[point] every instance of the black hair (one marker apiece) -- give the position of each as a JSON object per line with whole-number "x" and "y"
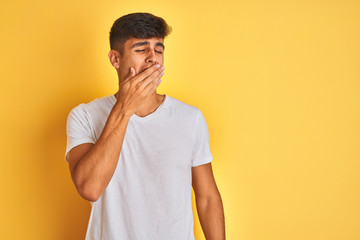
{"x": 137, "y": 25}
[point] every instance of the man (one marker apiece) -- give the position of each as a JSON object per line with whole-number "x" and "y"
{"x": 135, "y": 154}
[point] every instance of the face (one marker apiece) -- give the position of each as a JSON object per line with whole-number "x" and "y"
{"x": 140, "y": 54}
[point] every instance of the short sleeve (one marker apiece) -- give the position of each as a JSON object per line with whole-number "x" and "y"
{"x": 78, "y": 129}
{"x": 201, "y": 153}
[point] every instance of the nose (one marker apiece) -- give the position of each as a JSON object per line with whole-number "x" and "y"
{"x": 151, "y": 57}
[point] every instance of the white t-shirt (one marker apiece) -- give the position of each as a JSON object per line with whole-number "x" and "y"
{"x": 149, "y": 195}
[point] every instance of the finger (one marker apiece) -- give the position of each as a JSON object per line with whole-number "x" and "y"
{"x": 131, "y": 74}
{"x": 151, "y": 85}
{"x": 154, "y": 77}
{"x": 143, "y": 75}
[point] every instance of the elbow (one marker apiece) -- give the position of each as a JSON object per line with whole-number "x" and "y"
{"x": 90, "y": 196}
{"x": 87, "y": 192}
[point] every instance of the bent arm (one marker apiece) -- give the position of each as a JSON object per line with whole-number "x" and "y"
{"x": 93, "y": 165}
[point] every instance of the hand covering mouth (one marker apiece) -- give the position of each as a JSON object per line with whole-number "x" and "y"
{"x": 146, "y": 68}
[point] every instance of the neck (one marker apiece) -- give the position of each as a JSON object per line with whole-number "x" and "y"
{"x": 149, "y": 106}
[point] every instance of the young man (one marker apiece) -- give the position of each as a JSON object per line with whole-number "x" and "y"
{"x": 135, "y": 154}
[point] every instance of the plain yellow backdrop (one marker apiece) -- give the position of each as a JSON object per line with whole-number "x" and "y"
{"x": 278, "y": 83}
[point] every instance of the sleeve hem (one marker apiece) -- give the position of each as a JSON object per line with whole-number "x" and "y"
{"x": 77, "y": 143}
{"x": 202, "y": 161}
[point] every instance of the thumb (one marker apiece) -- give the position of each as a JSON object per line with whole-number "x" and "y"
{"x": 130, "y": 75}
{"x": 132, "y": 72}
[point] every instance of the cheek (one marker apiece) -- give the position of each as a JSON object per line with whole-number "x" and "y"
{"x": 133, "y": 62}
{"x": 136, "y": 62}
{"x": 161, "y": 60}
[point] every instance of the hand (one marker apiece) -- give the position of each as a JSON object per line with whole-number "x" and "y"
{"x": 135, "y": 90}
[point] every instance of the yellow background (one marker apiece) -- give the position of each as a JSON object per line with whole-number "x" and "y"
{"x": 277, "y": 81}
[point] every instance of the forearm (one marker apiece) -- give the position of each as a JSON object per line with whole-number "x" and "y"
{"x": 211, "y": 216}
{"x": 95, "y": 170}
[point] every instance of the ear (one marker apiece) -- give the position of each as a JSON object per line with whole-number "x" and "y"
{"x": 114, "y": 57}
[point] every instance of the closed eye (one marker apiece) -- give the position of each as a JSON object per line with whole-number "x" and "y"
{"x": 143, "y": 50}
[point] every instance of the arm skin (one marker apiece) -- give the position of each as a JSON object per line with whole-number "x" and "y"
{"x": 93, "y": 165}
{"x": 208, "y": 202}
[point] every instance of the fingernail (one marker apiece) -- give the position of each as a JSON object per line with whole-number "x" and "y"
{"x": 162, "y": 68}
{"x": 157, "y": 65}
{"x": 159, "y": 81}
{"x": 162, "y": 73}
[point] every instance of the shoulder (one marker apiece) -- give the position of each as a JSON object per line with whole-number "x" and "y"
{"x": 93, "y": 107}
{"x": 191, "y": 114}
{"x": 185, "y": 109}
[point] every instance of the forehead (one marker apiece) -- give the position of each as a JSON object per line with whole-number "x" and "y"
{"x": 152, "y": 41}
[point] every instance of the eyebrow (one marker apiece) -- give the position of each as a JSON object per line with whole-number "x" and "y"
{"x": 139, "y": 44}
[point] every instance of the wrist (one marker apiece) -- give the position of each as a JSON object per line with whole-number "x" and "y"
{"x": 121, "y": 112}
{"x": 117, "y": 121}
